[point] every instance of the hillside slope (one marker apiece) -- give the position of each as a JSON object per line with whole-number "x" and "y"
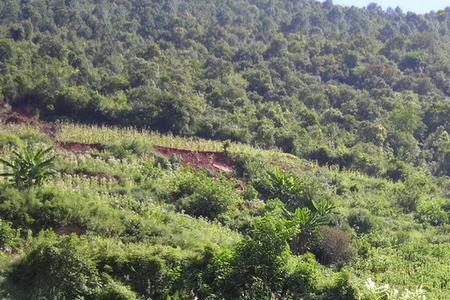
{"x": 237, "y": 149}
{"x": 150, "y": 227}
{"x": 314, "y": 79}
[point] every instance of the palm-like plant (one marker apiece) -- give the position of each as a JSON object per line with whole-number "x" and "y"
{"x": 308, "y": 222}
{"x": 29, "y": 167}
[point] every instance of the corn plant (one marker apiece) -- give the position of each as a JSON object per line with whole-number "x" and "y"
{"x": 29, "y": 167}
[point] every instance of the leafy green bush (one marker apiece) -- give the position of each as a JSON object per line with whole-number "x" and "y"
{"x": 308, "y": 222}
{"x": 146, "y": 272}
{"x": 9, "y": 237}
{"x": 334, "y": 247}
{"x": 361, "y": 220}
{"x": 304, "y": 277}
{"x": 342, "y": 288}
{"x": 278, "y": 184}
{"x": 259, "y": 259}
{"x": 431, "y": 212}
{"x": 415, "y": 187}
{"x": 257, "y": 289}
{"x": 8, "y": 139}
{"x": 200, "y": 195}
{"x": 58, "y": 268}
{"x": 126, "y": 148}
{"x": 117, "y": 291}
{"x": 18, "y": 207}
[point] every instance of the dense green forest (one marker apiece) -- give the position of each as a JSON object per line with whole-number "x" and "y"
{"x": 329, "y": 126}
{"x": 365, "y": 89}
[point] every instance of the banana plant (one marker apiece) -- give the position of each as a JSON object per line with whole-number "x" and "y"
{"x": 308, "y": 221}
{"x": 29, "y": 167}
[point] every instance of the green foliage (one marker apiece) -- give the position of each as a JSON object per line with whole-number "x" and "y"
{"x": 308, "y": 223}
{"x": 342, "y": 288}
{"x": 362, "y": 221}
{"x": 69, "y": 270}
{"x": 9, "y": 237}
{"x": 431, "y": 212}
{"x": 348, "y": 92}
{"x": 202, "y": 196}
{"x": 117, "y": 291}
{"x": 146, "y": 272}
{"x": 29, "y": 167}
{"x": 279, "y": 184}
{"x": 334, "y": 247}
{"x": 260, "y": 259}
{"x": 322, "y": 82}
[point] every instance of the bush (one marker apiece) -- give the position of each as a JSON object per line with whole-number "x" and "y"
{"x": 116, "y": 291}
{"x": 304, "y": 278}
{"x": 293, "y": 192}
{"x": 342, "y": 288}
{"x": 334, "y": 247}
{"x": 28, "y": 210}
{"x": 57, "y": 268}
{"x": 414, "y": 188}
{"x": 9, "y": 237}
{"x": 126, "y": 148}
{"x": 431, "y": 213}
{"x": 258, "y": 260}
{"x": 361, "y": 220}
{"x": 257, "y": 290}
{"x": 150, "y": 272}
{"x": 200, "y": 195}
{"x": 19, "y": 208}
{"x": 397, "y": 170}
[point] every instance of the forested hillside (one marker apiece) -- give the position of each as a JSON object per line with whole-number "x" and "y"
{"x": 355, "y": 87}
{"x": 223, "y": 149}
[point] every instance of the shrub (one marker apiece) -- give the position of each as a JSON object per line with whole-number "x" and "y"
{"x": 200, "y": 195}
{"x": 162, "y": 162}
{"x": 57, "y": 268}
{"x": 278, "y": 184}
{"x": 7, "y": 139}
{"x": 361, "y": 220}
{"x": 117, "y": 291}
{"x": 334, "y": 246}
{"x": 397, "y": 170}
{"x": 250, "y": 193}
{"x": 431, "y": 213}
{"x": 150, "y": 272}
{"x": 257, "y": 290}
{"x": 258, "y": 260}
{"x": 18, "y": 207}
{"x": 304, "y": 278}
{"x": 342, "y": 288}
{"x": 408, "y": 202}
{"x": 307, "y": 222}
{"x": 126, "y": 148}
{"x": 28, "y": 210}
{"x": 9, "y": 237}
{"x": 415, "y": 187}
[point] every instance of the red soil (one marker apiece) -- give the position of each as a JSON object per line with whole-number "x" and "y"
{"x": 80, "y": 148}
{"x": 26, "y": 116}
{"x": 216, "y": 162}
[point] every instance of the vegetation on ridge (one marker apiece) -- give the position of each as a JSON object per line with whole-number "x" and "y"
{"x": 331, "y": 120}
